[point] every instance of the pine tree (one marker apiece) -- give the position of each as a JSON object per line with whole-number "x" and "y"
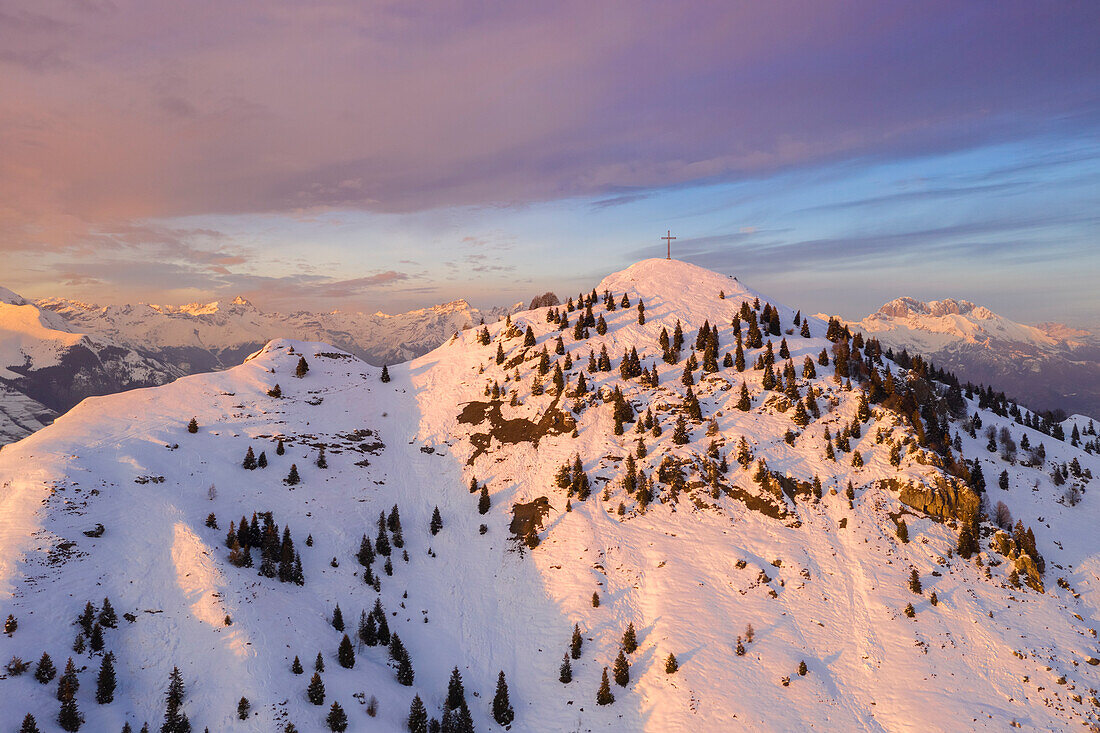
{"x": 275, "y": 391}
{"x": 914, "y": 581}
{"x": 69, "y": 718}
{"x": 903, "y": 531}
{"x": 621, "y": 670}
{"x": 45, "y": 671}
{"x": 296, "y": 666}
{"x": 95, "y": 641}
{"x": 603, "y": 695}
{"x": 321, "y": 462}
{"x": 385, "y": 373}
{"x": 910, "y": 611}
{"x": 193, "y": 426}
{"x": 671, "y": 665}
{"x": 300, "y": 371}
{"x": 244, "y": 708}
{"x": 436, "y": 523}
{"x": 679, "y": 433}
{"x": 249, "y": 462}
{"x": 30, "y": 725}
{"x": 319, "y": 663}
{"x": 456, "y": 694}
{"x": 744, "y": 403}
{"x": 280, "y": 449}
{"x": 292, "y": 478}
{"x": 337, "y": 719}
{"x": 595, "y": 599}
{"x": 69, "y": 683}
{"x": 802, "y": 669}
{"x": 105, "y": 682}
{"x": 418, "y": 716}
{"x": 502, "y": 708}
{"x": 316, "y": 689}
{"x": 346, "y": 653}
{"x": 576, "y": 642}
{"x": 175, "y": 721}
{"x": 630, "y": 641}
{"x": 483, "y": 501}
{"x": 565, "y": 672}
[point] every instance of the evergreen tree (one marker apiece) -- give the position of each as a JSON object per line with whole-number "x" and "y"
{"x": 292, "y": 478}
{"x": 30, "y": 725}
{"x": 300, "y": 371}
{"x": 175, "y": 721}
{"x": 744, "y": 403}
{"x": 502, "y": 708}
{"x": 337, "y": 618}
{"x": 319, "y": 663}
{"x": 365, "y": 556}
{"x": 483, "y": 501}
{"x": 69, "y": 718}
{"x": 321, "y": 462}
{"x": 280, "y": 449}
{"x": 105, "y": 682}
{"x": 337, "y": 719}
{"x": 44, "y": 672}
{"x": 565, "y": 672}
{"x": 603, "y": 695}
{"x": 385, "y": 373}
{"x": 903, "y": 531}
{"x": 296, "y": 666}
{"x": 630, "y": 641}
{"x": 595, "y": 599}
{"x": 316, "y": 689}
{"x": 456, "y": 694}
{"x": 621, "y": 670}
{"x": 914, "y": 581}
{"x": 436, "y": 523}
{"x": 249, "y": 462}
{"x": 346, "y": 653}
{"x": 967, "y": 544}
{"x": 382, "y": 542}
{"x": 802, "y": 669}
{"x": 244, "y": 709}
{"x": 418, "y": 716}
{"x": 275, "y": 391}
{"x": 679, "y": 433}
{"x": 576, "y": 642}
{"x": 671, "y": 665}
{"x": 68, "y": 684}
{"x": 193, "y": 426}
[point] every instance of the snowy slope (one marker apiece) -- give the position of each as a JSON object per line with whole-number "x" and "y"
{"x": 821, "y": 580}
{"x": 205, "y": 336}
{"x": 1049, "y": 366}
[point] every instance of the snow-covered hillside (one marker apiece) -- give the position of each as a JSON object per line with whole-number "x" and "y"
{"x": 1048, "y": 366}
{"x": 692, "y": 548}
{"x": 207, "y": 336}
{"x": 46, "y": 366}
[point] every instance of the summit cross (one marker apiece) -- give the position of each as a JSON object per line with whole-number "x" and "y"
{"x": 668, "y": 240}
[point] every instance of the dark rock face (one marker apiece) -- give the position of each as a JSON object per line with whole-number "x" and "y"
{"x": 83, "y": 372}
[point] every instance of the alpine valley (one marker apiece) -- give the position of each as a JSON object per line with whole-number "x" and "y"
{"x": 669, "y": 504}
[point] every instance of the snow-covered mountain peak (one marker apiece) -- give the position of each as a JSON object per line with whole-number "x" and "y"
{"x": 789, "y": 524}
{"x": 7, "y": 296}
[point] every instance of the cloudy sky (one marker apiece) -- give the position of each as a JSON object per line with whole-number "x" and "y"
{"x": 374, "y": 155}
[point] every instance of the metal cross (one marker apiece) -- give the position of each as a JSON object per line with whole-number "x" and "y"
{"x": 668, "y": 239}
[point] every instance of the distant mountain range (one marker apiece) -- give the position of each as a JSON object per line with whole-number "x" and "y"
{"x": 55, "y": 352}
{"x": 1045, "y": 366}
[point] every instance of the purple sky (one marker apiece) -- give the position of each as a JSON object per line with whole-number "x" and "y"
{"x": 214, "y": 145}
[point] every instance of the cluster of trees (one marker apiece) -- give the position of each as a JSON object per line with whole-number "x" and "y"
{"x": 278, "y": 558}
